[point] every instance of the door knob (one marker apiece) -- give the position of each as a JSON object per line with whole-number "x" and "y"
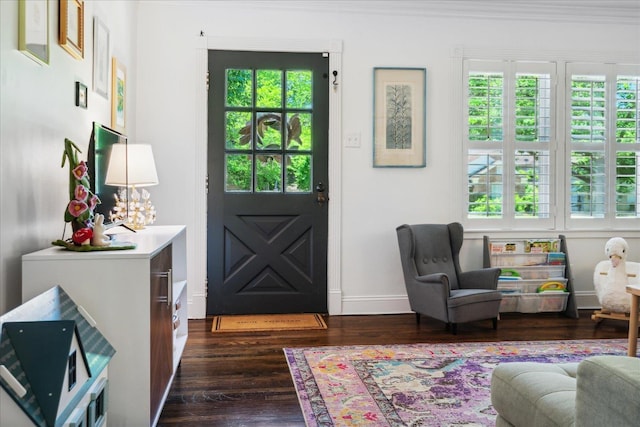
{"x": 321, "y": 197}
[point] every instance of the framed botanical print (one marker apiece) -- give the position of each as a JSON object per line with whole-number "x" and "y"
{"x": 118, "y": 95}
{"x": 399, "y": 116}
{"x": 71, "y": 27}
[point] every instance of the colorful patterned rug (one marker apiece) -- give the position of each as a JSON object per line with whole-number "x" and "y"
{"x": 416, "y": 384}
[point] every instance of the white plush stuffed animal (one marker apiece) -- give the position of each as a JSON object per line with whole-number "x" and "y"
{"x": 611, "y": 277}
{"x": 99, "y": 238}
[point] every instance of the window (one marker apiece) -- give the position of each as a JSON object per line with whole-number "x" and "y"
{"x": 530, "y": 140}
{"x": 604, "y": 141}
{"x": 72, "y": 367}
{"x": 509, "y": 139}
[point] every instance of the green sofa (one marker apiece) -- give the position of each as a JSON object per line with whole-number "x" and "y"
{"x": 599, "y": 391}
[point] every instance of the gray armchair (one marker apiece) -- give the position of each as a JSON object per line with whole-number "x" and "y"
{"x": 435, "y": 285}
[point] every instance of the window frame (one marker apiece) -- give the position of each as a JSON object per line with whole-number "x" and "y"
{"x": 610, "y": 147}
{"x": 508, "y": 146}
{"x": 624, "y": 60}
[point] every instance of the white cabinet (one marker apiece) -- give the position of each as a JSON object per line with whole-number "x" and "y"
{"x": 535, "y": 274}
{"x": 138, "y": 298}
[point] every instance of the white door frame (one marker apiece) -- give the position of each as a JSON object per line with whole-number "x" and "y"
{"x": 198, "y": 235}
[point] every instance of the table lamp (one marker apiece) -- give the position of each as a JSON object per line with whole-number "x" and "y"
{"x": 132, "y": 166}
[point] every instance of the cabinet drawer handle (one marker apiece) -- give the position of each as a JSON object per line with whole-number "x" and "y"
{"x": 169, "y": 276}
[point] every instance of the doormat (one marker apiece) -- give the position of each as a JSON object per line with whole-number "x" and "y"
{"x": 417, "y": 384}
{"x": 267, "y": 322}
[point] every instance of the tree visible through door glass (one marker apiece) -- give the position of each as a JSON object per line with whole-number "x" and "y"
{"x": 268, "y": 133}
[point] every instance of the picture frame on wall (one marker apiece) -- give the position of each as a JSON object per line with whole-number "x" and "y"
{"x": 399, "y": 117}
{"x": 71, "y": 27}
{"x": 100, "y": 58}
{"x": 81, "y": 95}
{"x": 33, "y": 29}
{"x": 118, "y": 95}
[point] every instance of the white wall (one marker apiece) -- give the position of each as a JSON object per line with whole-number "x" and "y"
{"x": 37, "y": 106}
{"x": 374, "y": 201}
{"x": 38, "y": 112}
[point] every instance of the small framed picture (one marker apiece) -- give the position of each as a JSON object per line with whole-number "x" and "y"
{"x": 118, "y": 95}
{"x": 33, "y": 33}
{"x": 81, "y": 95}
{"x": 100, "y": 58}
{"x": 71, "y": 26}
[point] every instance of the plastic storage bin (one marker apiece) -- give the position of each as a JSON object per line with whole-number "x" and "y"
{"x": 534, "y": 303}
{"x": 529, "y": 286}
{"x": 537, "y": 272}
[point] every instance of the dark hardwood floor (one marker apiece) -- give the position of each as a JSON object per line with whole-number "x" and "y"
{"x": 242, "y": 379}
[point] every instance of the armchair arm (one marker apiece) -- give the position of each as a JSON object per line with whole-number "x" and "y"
{"x": 429, "y": 294}
{"x": 485, "y": 278}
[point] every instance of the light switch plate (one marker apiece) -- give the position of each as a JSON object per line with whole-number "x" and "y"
{"x": 352, "y": 140}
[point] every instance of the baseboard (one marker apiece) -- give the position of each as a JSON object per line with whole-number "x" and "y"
{"x": 378, "y": 304}
{"x": 397, "y": 304}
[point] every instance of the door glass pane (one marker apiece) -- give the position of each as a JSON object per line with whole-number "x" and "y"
{"x": 237, "y": 172}
{"x": 299, "y": 89}
{"x": 269, "y": 131}
{"x": 299, "y": 131}
{"x": 298, "y": 173}
{"x": 268, "y": 173}
{"x": 238, "y": 130}
{"x": 239, "y": 88}
{"x": 269, "y": 88}
{"x": 273, "y": 126}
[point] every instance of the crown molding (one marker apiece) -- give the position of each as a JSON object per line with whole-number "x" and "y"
{"x": 621, "y": 12}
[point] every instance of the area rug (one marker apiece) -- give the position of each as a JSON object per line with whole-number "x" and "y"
{"x": 267, "y": 322}
{"x": 418, "y": 384}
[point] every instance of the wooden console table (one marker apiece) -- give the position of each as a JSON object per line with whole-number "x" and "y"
{"x": 634, "y": 290}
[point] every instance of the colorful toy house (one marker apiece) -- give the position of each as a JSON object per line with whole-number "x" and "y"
{"x": 53, "y": 365}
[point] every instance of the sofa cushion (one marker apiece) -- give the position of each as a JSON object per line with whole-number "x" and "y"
{"x": 608, "y": 390}
{"x": 535, "y": 394}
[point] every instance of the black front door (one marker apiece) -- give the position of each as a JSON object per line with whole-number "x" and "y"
{"x": 268, "y": 174}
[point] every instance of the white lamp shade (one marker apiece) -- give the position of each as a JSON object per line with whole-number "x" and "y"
{"x": 131, "y": 165}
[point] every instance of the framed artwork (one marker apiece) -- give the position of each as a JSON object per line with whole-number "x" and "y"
{"x": 81, "y": 95}
{"x": 118, "y": 95}
{"x": 71, "y": 27}
{"x": 100, "y": 58}
{"x": 399, "y": 116}
{"x": 33, "y": 33}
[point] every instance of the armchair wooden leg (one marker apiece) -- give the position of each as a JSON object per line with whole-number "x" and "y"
{"x": 495, "y": 323}
{"x": 418, "y": 318}
{"x": 454, "y": 328}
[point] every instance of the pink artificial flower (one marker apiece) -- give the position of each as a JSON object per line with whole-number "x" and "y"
{"x": 81, "y": 193}
{"x": 77, "y": 208}
{"x": 80, "y": 171}
{"x": 93, "y": 201}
